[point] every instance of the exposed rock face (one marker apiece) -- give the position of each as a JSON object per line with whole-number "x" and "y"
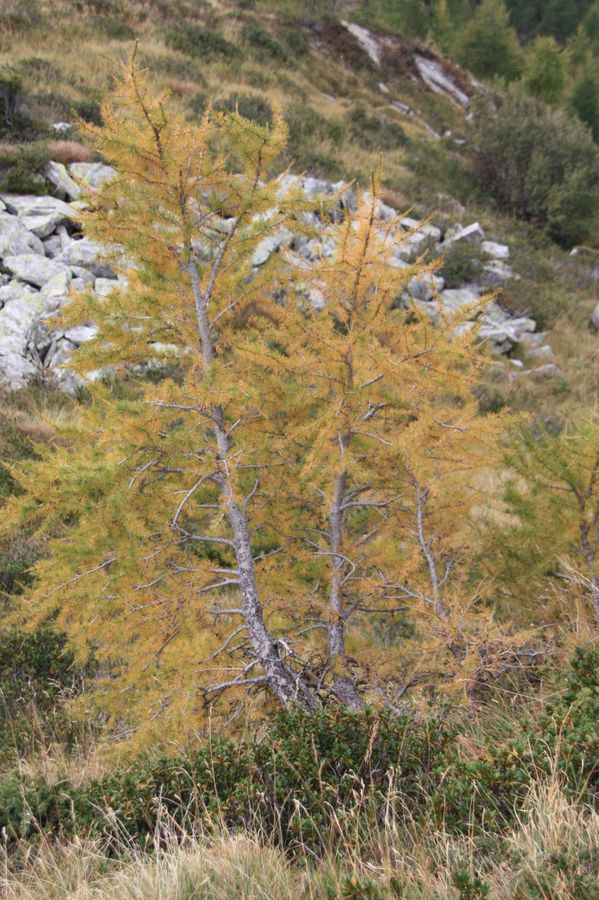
{"x": 43, "y": 256}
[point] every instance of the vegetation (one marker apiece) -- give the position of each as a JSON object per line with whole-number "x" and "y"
{"x": 290, "y": 613}
{"x": 540, "y": 165}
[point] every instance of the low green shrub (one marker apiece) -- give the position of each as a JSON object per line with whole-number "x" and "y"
{"x": 198, "y": 41}
{"x": 462, "y": 263}
{"x": 376, "y": 132}
{"x": 540, "y": 165}
{"x": 21, "y": 167}
{"x": 261, "y": 42}
{"x": 37, "y": 673}
{"x": 312, "y": 769}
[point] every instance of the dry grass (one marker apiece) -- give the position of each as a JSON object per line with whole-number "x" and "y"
{"x": 395, "y": 861}
{"x": 71, "y": 152}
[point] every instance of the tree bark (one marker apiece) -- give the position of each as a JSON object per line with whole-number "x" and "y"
{"x": 344, "y": 688}
{"x": 285, "y": 684}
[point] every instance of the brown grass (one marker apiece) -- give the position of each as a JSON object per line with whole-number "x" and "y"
{"x": 71, "y": 152}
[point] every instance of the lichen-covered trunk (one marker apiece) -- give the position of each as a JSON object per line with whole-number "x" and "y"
{"x": 285, "y": 684}
{"x": 344, "y": 688}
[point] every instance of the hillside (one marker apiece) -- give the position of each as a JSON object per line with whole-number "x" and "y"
{"x": 299, "y": 449}
{"x": 349, "y": 100}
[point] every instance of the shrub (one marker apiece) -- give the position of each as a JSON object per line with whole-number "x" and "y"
{"x": 376, "y": 132}
{"x": 584, "y": 100}
{"x": 250, "y": 106}
{"x": 462, "y": 263}
{"x": 488, "y": 45}
{"x": 260, "y": 41}
{"x": 21, "y": 167}
{"x": 539, "y": 164}
{"x": 195, "y": 40}
{"x": 36, "y": 674}
{"x": 310, "y": 767}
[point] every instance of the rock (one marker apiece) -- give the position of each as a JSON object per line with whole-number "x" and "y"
{"x": 35, "y": 269}
{"x": 105, "y": 286}
{"x": 91, "y": 174}
{"x": 271, "y": 244}
{"x": 61, "y": 181}
{"x": 544, "y": 352}
{"x": 424, "y": 287}
{"x": 431, "y": 231}
{"x": 79, "y": 334}
{"x": 497, "y": 251}
{"x": 52, "y": 245}
{"x": 472, "y": 234}
{"x": 15, "y": 369}
{"x": 457, "y": 299}
{"x": 496, "y": 273}
{"x": 85, "y": 254}
{"x": 551, "y": 370}
{"x": 16, "y": 239}
{"x": 438, "y": 80}
{"x": 41, "y": 215}
{"x": 595, "y": 317}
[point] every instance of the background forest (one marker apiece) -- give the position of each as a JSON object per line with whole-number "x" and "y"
{"x": 308, "y": 604}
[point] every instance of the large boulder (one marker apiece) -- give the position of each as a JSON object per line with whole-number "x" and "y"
{"x": 84, "y": 254}
{"x": 92, "y": 175}
{"x": 472, "y": 234}
{"x": 62, "y": 183}
{"x": 35, "y": 269}
{"x": 41, "y": 215}
{"x": 16, "y": 239}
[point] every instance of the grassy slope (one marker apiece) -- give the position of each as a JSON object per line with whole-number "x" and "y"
{"x": 341, "y": 125}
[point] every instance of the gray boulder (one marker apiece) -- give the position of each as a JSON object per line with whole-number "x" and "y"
{"x": 595, "y": 317}
{"x": 455, "y": 300}
{"x": 61, "y": 181}
{"x": 85, "y": 254}
{"x": 424, "y": 287}
{"x": 35, "y": 269}
{"x": 16, "y": 239}
{"x": 92, "y": 175}
{"x": 472, "y": 234}
{"x": 497, "y": 251}
{"x": 41, "y": 215}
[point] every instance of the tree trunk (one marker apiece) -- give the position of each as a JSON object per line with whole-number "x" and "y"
{"x": 286, "y": 685}
{"x": 344, "y": 688}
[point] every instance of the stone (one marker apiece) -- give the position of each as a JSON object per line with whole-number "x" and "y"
{"x": 52, "y": 245}
{"x": 16, "y": 239}
{"x": 472, "y": 234}
{"x": 496, "y": 273}
{"x": 85, "y": 254}
{"x": 551, "y": 370}
{"x": 104, "y": 286}
{"x": 497, "y": 251}
{"x": 431, "y": 231}
{"x": 456, "y": 299}
{"x": 41, "y": 215}
{"x": 79, "y": 334}
{"x": 424, "y": 287}
{"x": 93, "y": 175}
{"x": 595, "y": 317}
{"x": 34, "y": 269}
{"x": 271, "y": 244}
{"x": 544, "y": 352}
{"x": 64, "y": 186}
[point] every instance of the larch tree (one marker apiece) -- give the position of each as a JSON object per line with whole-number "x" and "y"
{"x": 159, "y": 496}
{"x": 548, "y": 563}
{"x": 383, "y": 398}
{"x": 221, "y": 520}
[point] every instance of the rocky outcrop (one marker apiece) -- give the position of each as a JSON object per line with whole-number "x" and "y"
{"x": 44, "y": 255}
